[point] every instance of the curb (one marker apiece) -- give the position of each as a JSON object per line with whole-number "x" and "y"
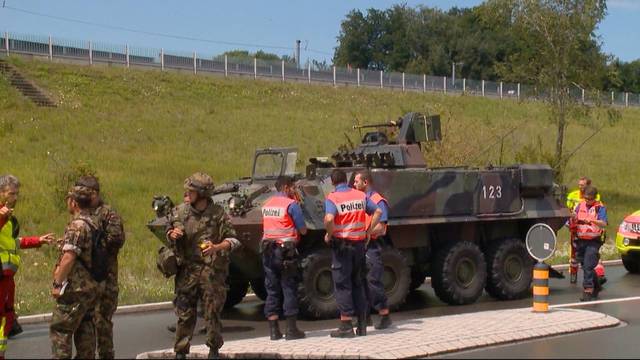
{"x": 167, "y": 305}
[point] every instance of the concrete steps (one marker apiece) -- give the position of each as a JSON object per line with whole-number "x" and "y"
{"x": 25, "y": 86}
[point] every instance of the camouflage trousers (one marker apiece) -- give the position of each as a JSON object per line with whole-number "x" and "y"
{"x": 72, "y": 321}
{"x": 192, "y": 284}
{"x": 106, "y": 306}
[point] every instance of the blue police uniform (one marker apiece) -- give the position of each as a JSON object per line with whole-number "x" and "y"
{"x": 349, "y": 265}
{"x": 375, "y": 287}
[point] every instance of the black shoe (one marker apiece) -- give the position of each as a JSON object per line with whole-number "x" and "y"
{"x": 274, "y": 330}
{"x": 602, "y": 280}
{"x": 555, "y": 274}
{"x": 574, "y": 278}
{"x": 588, "y": 296}
{"x": 171, "y": 328}
{"x": 15, "y": 329}
{"x": 361, "y": 329}
{"x": 293, "y": 333}
{"x": 385, "y": 322}
{"x": 345, "y": 330}
{"x": 181, "y": 356}
{"x": 213, "y": 354}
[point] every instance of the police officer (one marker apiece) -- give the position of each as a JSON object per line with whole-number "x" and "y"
{"x": 283, "y": 223}
{"x": 573, "y": 199}
{"x": 345, "y": 222}
{"x": 74, "y": 288}
{"x": 110, "y": 223}
{"x": 375, "y": 287}
{"x": 202, "y": 238}
{"x": 589, "y": 220}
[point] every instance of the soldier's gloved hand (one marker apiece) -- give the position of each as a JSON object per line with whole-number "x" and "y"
{"x": 175, "y": 234}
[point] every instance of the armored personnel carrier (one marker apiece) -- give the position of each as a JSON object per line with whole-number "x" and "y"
{"x": 463, "y": 226}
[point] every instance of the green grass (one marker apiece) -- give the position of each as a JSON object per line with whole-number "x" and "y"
{"x": 145, "y": 131}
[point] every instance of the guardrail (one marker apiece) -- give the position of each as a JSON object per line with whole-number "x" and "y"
{"x": 97, "y": 52}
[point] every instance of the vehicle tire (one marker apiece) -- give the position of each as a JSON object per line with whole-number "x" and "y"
{"x": 257, "y": 285}
{"x": 237, "y": 291}
{"x": 417, "y": 278}
{"x": 396, "y": 278}
{"x": 315, "y": 294}
{"x": 459, "y": 273}
{"x": 631, "y": 263}
{"x": 509, "y": 270}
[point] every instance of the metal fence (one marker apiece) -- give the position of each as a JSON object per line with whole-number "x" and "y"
{"x": 96, "y": 52}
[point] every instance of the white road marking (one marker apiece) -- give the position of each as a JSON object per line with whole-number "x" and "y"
{"x": 596, "y": 302}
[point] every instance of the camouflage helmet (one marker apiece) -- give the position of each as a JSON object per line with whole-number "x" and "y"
{"x": 81, "y": 194}
{"x": 201, "y": 183}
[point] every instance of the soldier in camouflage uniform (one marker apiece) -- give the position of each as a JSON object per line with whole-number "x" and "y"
{"x": 73, "y": 285}
{"x": 110, "y": 223}
{"x": 202, "y": 237}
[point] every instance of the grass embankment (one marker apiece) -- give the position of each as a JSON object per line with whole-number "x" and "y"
{"x": 145, "y": 131}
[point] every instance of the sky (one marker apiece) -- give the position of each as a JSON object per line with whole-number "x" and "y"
{"x": 213, "y": 27}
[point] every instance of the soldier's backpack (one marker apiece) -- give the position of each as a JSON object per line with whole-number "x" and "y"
{"x": 99, "y": 268}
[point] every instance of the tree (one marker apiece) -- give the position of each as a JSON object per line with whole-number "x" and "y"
{"x": 558, "y": 51}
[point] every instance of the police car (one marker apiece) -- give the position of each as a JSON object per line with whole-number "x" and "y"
{"x": 628, "y": 242}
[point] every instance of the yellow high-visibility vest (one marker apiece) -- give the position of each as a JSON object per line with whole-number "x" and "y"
{"x": 9, "y": 248}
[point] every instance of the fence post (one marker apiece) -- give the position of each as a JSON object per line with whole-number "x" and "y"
{"x": 309, "y": 72}
{"x": 518, "y": 91}
{"x": 444, "y": 82}
{"x": 6, "y": 42}
{"x": 500, "y": 89}
{"x": 358, "y": 73}
{"x": 226, "y": 66}
{"x": 424, "y": 82}
{"x": 626, "y": 99}
{"x": 464, "y": 85}
{"x": 127, "y": 53}
{"x": 162, "y": 59}
{"x": 582, "y": 96}
{"x": 402, "y": 81}
{"x": 90, "y": 53}
{"x": 194, "y": 63}
{"x": 255, "y": 68}
{"x": 482, "y": 88}
{"x": 612, "y": 97}
{"x": 282, "y": 70}
{"x": 334, "y": 75}
{"x": 50, "y": 48}
{"x": 381, "y": 80}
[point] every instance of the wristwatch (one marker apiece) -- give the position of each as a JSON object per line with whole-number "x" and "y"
{"x": 57, "y": 285}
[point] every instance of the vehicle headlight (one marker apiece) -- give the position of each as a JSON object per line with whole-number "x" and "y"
{"x": 626, "y": 241}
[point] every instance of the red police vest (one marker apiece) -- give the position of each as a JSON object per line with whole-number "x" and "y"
{"x": 277, "y": 223}
{"x": 376, "y": 198}
{"x": 588, "y": 231}
{"x": 350, "y": 220}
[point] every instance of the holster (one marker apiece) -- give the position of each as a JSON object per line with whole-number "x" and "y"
{"x": 338, "y": 244}
{"x": 266, "y": 247}
{"x": 289, "y": 258}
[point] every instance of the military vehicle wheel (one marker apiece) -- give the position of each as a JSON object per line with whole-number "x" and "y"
{"x": 459, "y": 273}
{"x": 237, "y": 291}
{"x": 396, "y": 277}
{"x": 315, "y": 294}
{"x": 509, "y": 269}
{"x": 257, "y": 285}
{"x": 417, "y": 278}
{"x": 631, "y": 263}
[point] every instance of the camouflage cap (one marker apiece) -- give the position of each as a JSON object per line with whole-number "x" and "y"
{"x": 89, "y": 181}
{"x": 200, "y": 182}
{"x": 80, "y": 193}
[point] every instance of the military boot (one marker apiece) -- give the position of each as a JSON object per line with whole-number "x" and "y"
{"x": 15, "y": 329}
{"x": 361, "y": 329}
{"x": 385, "y": 322}
{"x": 345, "y": 330}
{"x": 293, "y": 333}
{"x": 181, "y": 356}
{"x": 213, "y": 353}
{"x": 274, "y": 330}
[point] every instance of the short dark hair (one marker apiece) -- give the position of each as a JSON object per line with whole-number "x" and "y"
{"x": 89, "y": 181}
{"x": 338, "y": 177}
{"x": 586, "y": 179}
{"x": 590, "y": 191}
{"x": 283, "y": 181}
